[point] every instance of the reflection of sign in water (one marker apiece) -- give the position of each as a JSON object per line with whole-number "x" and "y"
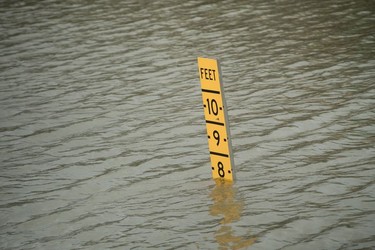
{"x": 226, "y": 205}
{"x": 216, "y": 119}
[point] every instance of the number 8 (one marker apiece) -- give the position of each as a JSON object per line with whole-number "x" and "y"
{"x": 220, "y": 170}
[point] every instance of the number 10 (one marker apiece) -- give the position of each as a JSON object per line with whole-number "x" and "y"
{"x": 212, "y": 106}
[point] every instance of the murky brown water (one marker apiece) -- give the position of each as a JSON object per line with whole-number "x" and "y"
{"x": 102, "y": 134}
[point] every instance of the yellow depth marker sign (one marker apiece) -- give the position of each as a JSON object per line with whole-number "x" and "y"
{"x": 215, "y": 113}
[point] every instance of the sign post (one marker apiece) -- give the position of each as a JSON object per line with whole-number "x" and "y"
{"x": 217, "y": 125}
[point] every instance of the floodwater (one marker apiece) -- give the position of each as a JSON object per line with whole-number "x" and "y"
{"x": 102, "y": 132}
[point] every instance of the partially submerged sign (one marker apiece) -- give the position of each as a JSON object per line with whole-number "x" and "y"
{"x": 217, "y": 124}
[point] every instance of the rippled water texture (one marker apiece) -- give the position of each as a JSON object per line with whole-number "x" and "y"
{"x": 102, "y": 133}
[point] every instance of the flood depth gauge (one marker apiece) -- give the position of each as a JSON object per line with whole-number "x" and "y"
{"x": 215, "y": 113}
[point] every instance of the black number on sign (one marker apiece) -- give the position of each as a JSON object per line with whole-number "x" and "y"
{"x": 217, "y": 137}
{"x": 212, "y": 106}
{"x": 220, "y": 169}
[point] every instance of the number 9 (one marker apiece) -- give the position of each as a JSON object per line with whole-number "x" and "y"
{"x": 217, "y": 137}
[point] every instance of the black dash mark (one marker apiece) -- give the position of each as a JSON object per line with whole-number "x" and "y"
{"x": 211, "y": 91}
{"x": 219, "y": 154}
{"x": 216, "y": 123}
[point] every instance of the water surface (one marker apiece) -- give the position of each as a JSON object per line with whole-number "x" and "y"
{"x": 102, "y": 134}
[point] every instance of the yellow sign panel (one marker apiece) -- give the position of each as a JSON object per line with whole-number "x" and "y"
{"x": 215, "y": 114}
